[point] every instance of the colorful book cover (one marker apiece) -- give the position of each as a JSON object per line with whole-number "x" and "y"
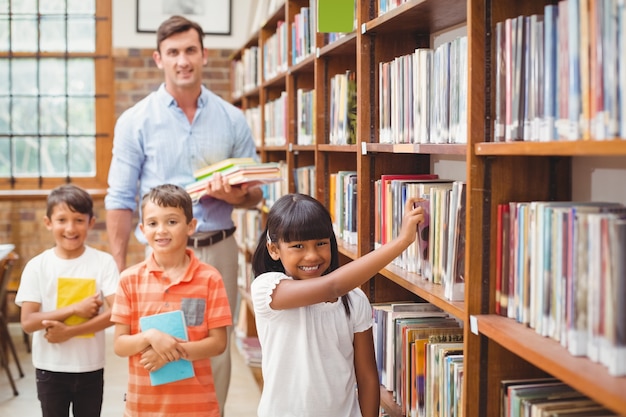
{"x": 172, "y": 323}
{"x": 71, "y": 291}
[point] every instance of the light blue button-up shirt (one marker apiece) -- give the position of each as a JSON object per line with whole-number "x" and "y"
{"x": 155, "y": 144}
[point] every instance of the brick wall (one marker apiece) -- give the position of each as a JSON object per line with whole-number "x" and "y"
{"x": 136, "y": 75}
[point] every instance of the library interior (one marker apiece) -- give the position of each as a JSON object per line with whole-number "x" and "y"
{"x": 504, "y": 121}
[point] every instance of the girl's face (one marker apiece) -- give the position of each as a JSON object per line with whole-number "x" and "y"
{"x": 302, "y": 259}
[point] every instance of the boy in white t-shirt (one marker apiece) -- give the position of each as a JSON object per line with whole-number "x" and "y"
{"x": 66, "y": 294}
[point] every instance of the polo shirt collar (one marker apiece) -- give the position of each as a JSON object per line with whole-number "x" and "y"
{"x": 153, "y": 267}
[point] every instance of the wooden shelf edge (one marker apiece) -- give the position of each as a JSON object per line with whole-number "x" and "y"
{"x": 433, "y": 293}
{"x": 616, "y": 147}
{"x": 419, "y": 148}
{"x": 389, "y": 404}
{"x": 591, "y": 379}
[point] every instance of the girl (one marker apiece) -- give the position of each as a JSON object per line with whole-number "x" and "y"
{"x": 313, "y": 322}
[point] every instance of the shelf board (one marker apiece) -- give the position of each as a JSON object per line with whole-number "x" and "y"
{"x": 347, "y": 250}
{"x": 301, "y": 148}
{"x": 433, "y": 293}
{"x": 591, "y": 379}
{"x": 337, "y": 148}
{"x": 345, "y": 45}
{"x": 419, "y": 16}
{"x": 276, "y": 81}
{"x": 304, "y": 66}
{"x": 272, "y": 21}
{"x": 416, "y": 148}
{"x": 616, "y": 147}
{"x": 275, "y": 148}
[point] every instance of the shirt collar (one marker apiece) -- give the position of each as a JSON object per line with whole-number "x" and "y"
{"x": 154, "y": 268}
{"x": 168, "y": 100}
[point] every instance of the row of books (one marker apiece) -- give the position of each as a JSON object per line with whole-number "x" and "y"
{"x": 342, "y": 114}
{"x": 275, "y": 121}
{"x": 419, "y": 354}
{"x": 438, "y": 253}
{"x": 303, "y": 32}
{"x": 560, "y": 76}
{"x": 253, "y": 117}
{"x": 246, "y": 72}
{"x": 343, "y": 205}
{"x": 423, "y": 95}
{"x": 304, "y": 178}
{"x": 561, "y": 270}
{"x": 238, "y": 172}
{"x": 275, "y": 52}
{"x": 546, "y": 397}
{"x": 305, "y": 116}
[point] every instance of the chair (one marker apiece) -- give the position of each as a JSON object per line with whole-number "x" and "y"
{"x": 6, "y": 266}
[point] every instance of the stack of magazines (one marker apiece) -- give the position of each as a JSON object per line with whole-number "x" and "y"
{"x": 238, "y": 171}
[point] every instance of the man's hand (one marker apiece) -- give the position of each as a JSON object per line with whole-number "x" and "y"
{"x": 220, "y": 189}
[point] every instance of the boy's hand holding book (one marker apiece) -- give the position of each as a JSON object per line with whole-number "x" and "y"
{"x": 162, "y": 350}
{"x": 89, "y": 307}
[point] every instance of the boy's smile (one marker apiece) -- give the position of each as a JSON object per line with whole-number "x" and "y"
{"x": 69, "y": 229}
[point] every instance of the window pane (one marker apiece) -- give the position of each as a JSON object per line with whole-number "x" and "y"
{"x": 24, "y": 116}
{"x": 25, "y": 157}
{"x": 52, "y": 77}
{"x": 81, "y": 7}
{"x": 24, "y": 77}
{"x": 26, "y": 41}
{"x": 52, "y": 33}
{"x": 5, "y": 116}
{"x": 81, "y": 35}
{"x": 4, "y": 77}
{"x": 52, "y": 7}
{"x": 24, "y": 6}
{"x": 83, "y": 156}
{"x": 4, "y": 33}
{"x": 52, "y": 117}
{"x": 5, "y": 162}
{"x": 53, "y": 157}
{"x": 81, "y": 79}
{"x": 82, "y": 116}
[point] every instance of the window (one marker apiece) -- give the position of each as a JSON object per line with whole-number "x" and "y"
{"x": 56, "y": 110}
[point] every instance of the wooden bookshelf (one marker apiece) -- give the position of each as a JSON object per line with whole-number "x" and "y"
{"x": 496, "y": 348}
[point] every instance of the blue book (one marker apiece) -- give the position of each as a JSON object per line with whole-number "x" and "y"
{"x": 172, "y": 323}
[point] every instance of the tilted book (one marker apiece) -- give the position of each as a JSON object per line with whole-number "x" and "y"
{"x": 172, "y": 323}
{"x": 71, "y": 291}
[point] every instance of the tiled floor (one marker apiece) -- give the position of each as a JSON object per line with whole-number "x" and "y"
{"x": 243, "y": 396}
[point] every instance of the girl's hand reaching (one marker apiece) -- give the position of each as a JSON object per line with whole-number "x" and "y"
{"x": 412, "y": 217}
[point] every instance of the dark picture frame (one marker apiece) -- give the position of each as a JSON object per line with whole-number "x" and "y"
{"x": 215, "y": 16}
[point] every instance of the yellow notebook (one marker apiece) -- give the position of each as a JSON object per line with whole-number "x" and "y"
{"x": 73, "y": 290}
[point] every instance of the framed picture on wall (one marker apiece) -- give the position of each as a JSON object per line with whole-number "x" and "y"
{"x": 213, "y": 15}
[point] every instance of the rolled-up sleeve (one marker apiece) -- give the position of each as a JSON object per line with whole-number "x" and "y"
{"x": 126, "y": 165}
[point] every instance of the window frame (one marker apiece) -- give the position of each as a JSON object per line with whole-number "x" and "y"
{"x": 104, "y": 114}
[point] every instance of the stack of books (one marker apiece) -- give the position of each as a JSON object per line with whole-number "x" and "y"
{"x": 238, "y": 171}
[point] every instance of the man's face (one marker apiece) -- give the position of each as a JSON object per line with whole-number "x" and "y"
{"x": 181, "y": 58}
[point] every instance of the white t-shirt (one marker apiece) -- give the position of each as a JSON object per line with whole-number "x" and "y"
{"x": 308, "y": 353}
{"x": 39, "y": 285}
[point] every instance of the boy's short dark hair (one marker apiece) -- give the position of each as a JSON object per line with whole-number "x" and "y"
{"x": 77, "y": 199}
{"x": 170, "y": 195}
{"x": 177, "y": 24}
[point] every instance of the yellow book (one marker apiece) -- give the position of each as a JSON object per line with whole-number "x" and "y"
{"x": 73, "y": 290}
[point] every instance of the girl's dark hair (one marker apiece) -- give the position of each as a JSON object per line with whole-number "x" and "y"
{"x": 296, "y": 217}
{"x": 77, "y": 199}
{"x": 175, "y": 25}
{"x": 170, "y": 195}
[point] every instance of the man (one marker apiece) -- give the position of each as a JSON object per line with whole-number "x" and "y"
{"x": 164, "y": 138}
